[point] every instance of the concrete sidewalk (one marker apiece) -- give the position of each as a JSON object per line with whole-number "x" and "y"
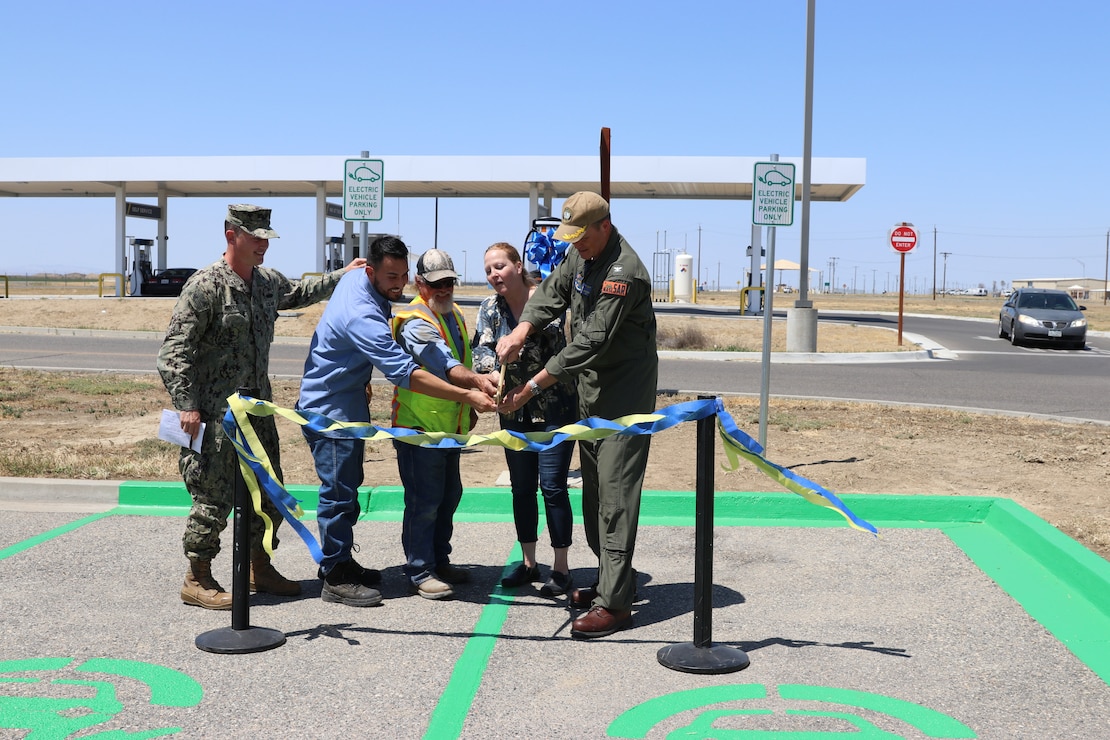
{"x": 969, "y": 617}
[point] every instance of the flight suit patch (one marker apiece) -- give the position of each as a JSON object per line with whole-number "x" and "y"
{"x": 612, "y": 287}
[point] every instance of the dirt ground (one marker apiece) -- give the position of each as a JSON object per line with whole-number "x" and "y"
{"x": 104, "y": 427}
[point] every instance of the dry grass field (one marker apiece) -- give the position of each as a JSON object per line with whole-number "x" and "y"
{"x": 731, "y": 333}
{"x": 1098, "y": 311}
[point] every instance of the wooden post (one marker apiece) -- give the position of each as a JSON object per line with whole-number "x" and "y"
{"x": 605, "y": 163}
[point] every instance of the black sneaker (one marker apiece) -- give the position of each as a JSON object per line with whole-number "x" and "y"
{"x": 521, "y": 575}
{"x": 557, "y": 584}
{"x": 367, "y": 576}
{"x": 343, "y": 586}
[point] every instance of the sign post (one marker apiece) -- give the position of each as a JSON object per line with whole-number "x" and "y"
{"x": 772, "y": 206}
{"x": 903, "y": 239}
{"x": 363, "y": 189}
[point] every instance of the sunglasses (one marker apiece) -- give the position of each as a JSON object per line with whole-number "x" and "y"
{"x": 441, "y": 284}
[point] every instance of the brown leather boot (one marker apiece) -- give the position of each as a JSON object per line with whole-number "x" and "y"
{"x": 201, "y": 589}
{"x": 265, "y": 578}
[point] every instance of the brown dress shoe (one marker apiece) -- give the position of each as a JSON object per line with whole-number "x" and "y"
{"x": 265, "y": 578}
{"x": 599, "y": 622}
{"x": 583, "y": 597}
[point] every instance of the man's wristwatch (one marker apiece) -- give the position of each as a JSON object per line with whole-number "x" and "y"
{"x": 534, "y": 387}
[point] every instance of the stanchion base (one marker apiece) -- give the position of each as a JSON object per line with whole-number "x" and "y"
{"x": 688, "y": 658}
{"x": 250, "y": 640}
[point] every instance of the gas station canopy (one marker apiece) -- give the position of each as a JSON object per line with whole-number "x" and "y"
{"x": 539, "y": 179}
{"x": 709, "y": 178}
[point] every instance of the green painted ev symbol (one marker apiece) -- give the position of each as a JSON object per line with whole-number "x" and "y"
{"x": 825, "y": 707}
{"x": 57, "y": 716}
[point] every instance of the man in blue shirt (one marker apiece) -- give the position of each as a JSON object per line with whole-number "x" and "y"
{"x": 352, "y": 338}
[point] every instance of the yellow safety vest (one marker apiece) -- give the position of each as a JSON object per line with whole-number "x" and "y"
{"x": 426, "y": 413}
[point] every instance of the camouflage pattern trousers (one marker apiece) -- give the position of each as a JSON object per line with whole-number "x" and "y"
{"x": 210, "y": 478}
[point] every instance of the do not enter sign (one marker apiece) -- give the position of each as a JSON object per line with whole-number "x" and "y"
{"x": 903, "y": 238}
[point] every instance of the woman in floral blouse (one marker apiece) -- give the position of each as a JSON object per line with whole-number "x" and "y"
{"x": 552, "y": 408}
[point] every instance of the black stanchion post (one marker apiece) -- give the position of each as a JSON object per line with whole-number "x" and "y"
{"x": 701, "y": 655}
{"x": 241, "y": 637}
{"x": 703, "y": 534}
{"x": 240, "y": 553}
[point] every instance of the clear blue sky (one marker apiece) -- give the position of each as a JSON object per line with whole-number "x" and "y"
{"x": 986, "y": 121}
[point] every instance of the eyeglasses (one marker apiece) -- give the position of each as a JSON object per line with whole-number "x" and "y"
{"x": 441, "y": 284}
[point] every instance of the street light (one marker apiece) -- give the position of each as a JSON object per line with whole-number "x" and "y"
{"x": 1106, "y": 269}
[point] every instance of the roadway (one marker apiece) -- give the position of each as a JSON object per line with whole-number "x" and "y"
{"x": 980, "y": 372}
{"x": 970, "y": 367}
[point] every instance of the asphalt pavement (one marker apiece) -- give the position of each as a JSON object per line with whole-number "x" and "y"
{"x": 966, "y": 617}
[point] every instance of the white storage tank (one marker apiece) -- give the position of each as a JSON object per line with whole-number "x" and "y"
{"x": 684, "y": 278}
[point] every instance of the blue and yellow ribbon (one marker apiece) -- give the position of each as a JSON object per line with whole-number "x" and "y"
{"x": 543, "y": 250}
{"x": 260, "y": 475}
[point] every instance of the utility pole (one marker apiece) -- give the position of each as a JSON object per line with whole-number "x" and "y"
{"x": 1106, "y": 269}
{"x": 944, "y": 284}
{"x": 698, "y": 272}
{"x": 935, "y": 262}
{"x": 873, "y": 271}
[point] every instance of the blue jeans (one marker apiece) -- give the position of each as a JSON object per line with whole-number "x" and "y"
{"x": 433, "y": 489}
{"x": 548, "y": 468}
{"x": 339, "y": 467}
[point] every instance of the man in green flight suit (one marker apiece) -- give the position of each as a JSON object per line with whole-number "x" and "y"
{"x": 612, "y": 356}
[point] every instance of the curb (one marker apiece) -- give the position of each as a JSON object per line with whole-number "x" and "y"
{"x": 58, "y": 494}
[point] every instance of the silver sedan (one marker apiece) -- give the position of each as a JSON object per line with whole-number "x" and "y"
{"x": 1043, "y": 315}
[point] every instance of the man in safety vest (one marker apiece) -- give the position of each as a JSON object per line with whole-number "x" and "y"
{"x": 431, "y": 329}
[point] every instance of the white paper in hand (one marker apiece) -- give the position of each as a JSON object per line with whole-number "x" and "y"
{"x": 169, "y": 429}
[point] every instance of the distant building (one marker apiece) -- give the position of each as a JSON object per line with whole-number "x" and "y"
{"x": 1084, "y": 288}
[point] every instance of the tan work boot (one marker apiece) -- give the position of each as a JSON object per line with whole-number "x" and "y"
{"x": 201, "y": 589}
{"x": 432, "y": 588}
{"x": 265, "y": 578}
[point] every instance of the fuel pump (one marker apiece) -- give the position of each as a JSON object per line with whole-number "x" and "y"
{"x": 140, "y": 263}
{"x": 333, "y": 253}
{"x": 751, "y": 296}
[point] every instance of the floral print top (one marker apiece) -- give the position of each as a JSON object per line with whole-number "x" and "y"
{"x": 495, "y": 320}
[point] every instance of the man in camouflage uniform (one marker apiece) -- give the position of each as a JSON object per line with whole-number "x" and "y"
{"x": 218, "y": 341}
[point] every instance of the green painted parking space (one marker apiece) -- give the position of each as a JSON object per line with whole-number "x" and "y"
{"x": 1036, "y": 565}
